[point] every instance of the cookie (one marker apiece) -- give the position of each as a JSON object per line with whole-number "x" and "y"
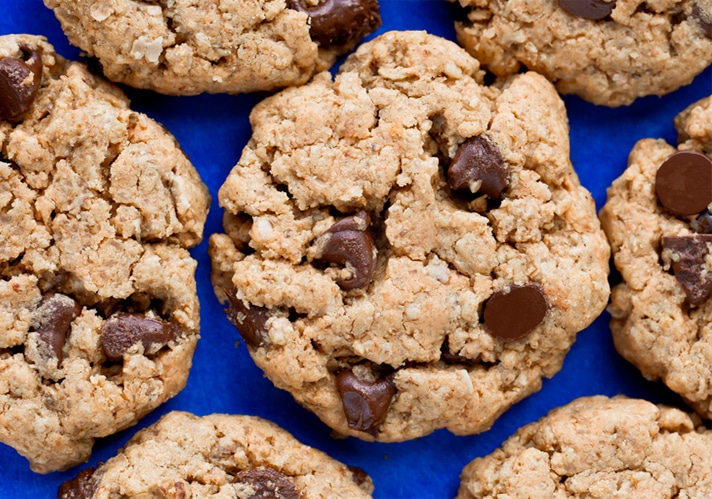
{"x": 218, "y": 455}
{"x": 190, "y": 47}
{"x": 657, "y": 218}
{"x": 598, "y": 447}
{"x": 99, "y": 315}
{"x": 406, "y": 248}
{"x": 607, "y": 52}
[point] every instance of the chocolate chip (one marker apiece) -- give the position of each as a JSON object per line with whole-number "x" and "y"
{"x": 703, "y": 223}
{"x": 683, "y": 183}
{"x": 19, "y": 82}
{"x": 267, "y": 483}
{"x": 451, "y": 358}
{"x": 365, "y": 402}
{"x": 358, "y": 475}
{"x": 339, "y": 22}
{"x": 251, "y": 322}
{"x": 511, "y": 314}
{"x": 56, "y": 313}
{"x": 704, "y": 19}
{"x": 588, "y": 9}
{"x": 349, "y": 241}
{"x": 80, "y": 487}
{"x": 478, "y": 167}
{"x": 122, "y": 331}
{"x": 689, "y": 265}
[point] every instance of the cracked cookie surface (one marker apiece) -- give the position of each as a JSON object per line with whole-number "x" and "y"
{"x": 99, "y": 313}
{"x": 598, "y": 447}
{"x": 372, "y": 290}
{"x": 218, "y": 455}
{"x": 661, "y": 238}
{"x": 186, "y": 47}
{"x": 629, "y": 49}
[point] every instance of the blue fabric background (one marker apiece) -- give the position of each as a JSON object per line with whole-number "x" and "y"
{"x": 213, "y": 130}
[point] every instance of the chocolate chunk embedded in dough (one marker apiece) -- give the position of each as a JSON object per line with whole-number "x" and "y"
{"x": 365, "y": 402}
{"x": 588, "y": 9}
{"x": 513, "y": 313}
{"x": 704, "y": 19}
{"x": 79, "y": 487}
{"x": 683, "y": 183}
{"x": 702, "y": 224}
{"x": 251, "y": 322}
{"x": 479, "y": 167}
{"x": 688, "y": 264}
{"x": 267, "y": 483}
{"x": 20, "y": 80}
{"x": 56, "y": 313}
{"x": 339, "y": 22}
{"x": 122, "y": 331}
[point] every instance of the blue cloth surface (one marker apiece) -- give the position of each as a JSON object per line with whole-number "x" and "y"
{"x": 212, "y": 130}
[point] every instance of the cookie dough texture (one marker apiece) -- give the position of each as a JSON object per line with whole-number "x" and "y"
{"x": 642, "y": 48}
{"x": 653, "y": 325}
{"x": 598, "y": 447}
{"x": 183, "y": 455}
{"x": 376, "y": 138}
{"x": 186, "y": 47}
{"x": 99, "y": 205}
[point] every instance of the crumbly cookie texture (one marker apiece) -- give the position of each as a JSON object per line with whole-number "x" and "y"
{"x": 186, "y": 47}
{"x": 218, "y": 456}
{"x": 598, "y": 447}
{"x": 661, "y": 312}
{"x": 362, "y": 282}
{"x": 98, "y": 307}
{"x": 637, "y": 48}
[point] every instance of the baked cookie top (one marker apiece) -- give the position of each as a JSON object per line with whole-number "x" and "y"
{"x": 227, "y": 456}
{"x": 186, "y": 47}
{"x": 598, "y": 447}
{"x": 658, "y": 221}
{"x": 405, "y": 248}
{"x": 98, "y": 306}
{"x": 607, "y": 52}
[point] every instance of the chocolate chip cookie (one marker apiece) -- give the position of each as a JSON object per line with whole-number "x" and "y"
{"x": 219, "y": 455}
{"x": 658, "y": 221}
{"x": 598, "y": 447}
{"x": 406, "y": 248}
{"x": 186, "y": 47}
{"x": 98, "y": 307}
{"x": 608, "y": 52}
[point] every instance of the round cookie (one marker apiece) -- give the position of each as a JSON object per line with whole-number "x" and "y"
{"x": 219, "y": 455}
{"x": 657, "y": 218}
{"x": 598, "y": 447}
{"x": 405, "y": 248}
{"x": 187, "y": 47}
{"x": 607, "y": 52}
{"x": 99, "y": 314}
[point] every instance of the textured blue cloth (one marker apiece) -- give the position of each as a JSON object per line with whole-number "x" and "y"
{"x": 213, "y": 130}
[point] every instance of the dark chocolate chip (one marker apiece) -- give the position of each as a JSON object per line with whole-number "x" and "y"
{"x": 251, "y": 322}
{"x": 122, "y": 331}
{"x": 365, "y": 402}
{"x": 56, "y": 313}
{"x": 80, "y": 487}
{"x": 683, "y": 183}
{"x": 20, "y": 80}
{"x": 451, "y": 358}
{"x": 588, "y": 9}
{"x": 704, "y": 19}
{"x": 350, "y": 241}
{"x": 339, "y": 22}
{"x": 358, "y": 475}
{"x": 703, "y": 223}
{"x": 513, "y": 313}
{"x": 478, "y": 167}
{"x": 267, "y": 483}
{"x": 689, "y": 265}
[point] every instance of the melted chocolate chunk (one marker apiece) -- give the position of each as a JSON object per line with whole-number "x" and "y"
{"x": 80, "y": 487}
{"x": 122, "y": 331}
{"x": 703, "y": 223}
{"x": 479, "y": 167}
{"x": 683, "y": 183}
{"x": 365, "y": 402}
{"x": 56, "y": 313}
{"x": 358, "y": 475}
{"x": 588, "y": 9}
{"x": 350, "y": 241}
{"x": 704, "y": 19}
{"x": 20, "y": 80}
{"x": 339, "y": 22}
{"x": 452, "y": 358}
{"x": 267, "y": 484}
{"x": 689, "y": 266}
{"x": 250, "y": 322}
{"x": 512, "y": 314}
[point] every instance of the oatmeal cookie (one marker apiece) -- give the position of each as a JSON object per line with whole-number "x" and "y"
{"x": 406, "y": 248}
{"x": 98, "y": 307}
